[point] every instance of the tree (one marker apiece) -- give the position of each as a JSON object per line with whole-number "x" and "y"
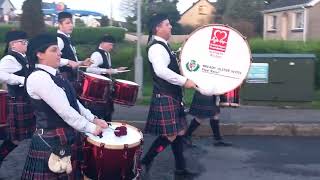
{"x": 149, "y": 7}
{"x": 104, "y": 21}
{"x": 32, "y": 21}
{"x": 240, "y": 13}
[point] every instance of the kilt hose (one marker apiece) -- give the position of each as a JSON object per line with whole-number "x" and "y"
{"x": 166, "y": 116}
{"x": 21, "y": 119}
{"x": 203, "y": 106}
{"x": 36, "y": 166}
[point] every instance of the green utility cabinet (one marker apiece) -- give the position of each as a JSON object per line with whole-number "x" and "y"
{"x": 280, "y": 77}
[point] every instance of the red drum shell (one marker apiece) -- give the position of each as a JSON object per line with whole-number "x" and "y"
{"x": 3, "y": 106}
{"x": 95, "y": 88}
{"x": 231, "y": 98}
{"x": 125, "y": 92}
{"x": 107, "y": 161}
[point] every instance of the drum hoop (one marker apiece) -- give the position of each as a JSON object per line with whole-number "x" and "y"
{"x": 96, "y": 76}
{"x": 223, "y": 25}
{"x": 110, "y": 146}
{"x": 117, "y": 81}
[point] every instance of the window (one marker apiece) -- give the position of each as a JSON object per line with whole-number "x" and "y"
{"x": 202, "y": 10}
{"x": 272, "y": 23}
{"x": 298, "y": 20}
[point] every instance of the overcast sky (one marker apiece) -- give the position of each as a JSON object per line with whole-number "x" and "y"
{"x": 102, "y": 6}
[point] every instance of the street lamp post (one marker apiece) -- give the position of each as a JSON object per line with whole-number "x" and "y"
{"x": 138, "y": 62}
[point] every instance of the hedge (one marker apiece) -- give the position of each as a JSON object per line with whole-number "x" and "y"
{"x": 80, "y": 35}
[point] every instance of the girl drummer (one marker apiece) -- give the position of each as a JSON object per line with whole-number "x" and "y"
{"x": 57, "y": 110}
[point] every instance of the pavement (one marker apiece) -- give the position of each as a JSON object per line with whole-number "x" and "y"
{"x": 245, "y": 120}
{"x": 255, "y": 157}
{"x": 250, "y": 158}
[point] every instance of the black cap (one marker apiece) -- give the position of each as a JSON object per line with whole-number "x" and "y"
{"x": 63, "y": 15}
{"x": 41, "y": 41}
{"x": 107, "y": 38}
{"x": 155, "y": 20}
{"x": 15, "y": 35}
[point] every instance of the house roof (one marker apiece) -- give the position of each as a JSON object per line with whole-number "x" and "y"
{"x": 2, "y": 1}
{"x": 279, "y": 5}
{"x": 212, "y": 3}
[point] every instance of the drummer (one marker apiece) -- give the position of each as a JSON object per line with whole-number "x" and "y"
{"x": 205, "y": 107}
{"x": 101, "y": 59}
{"x": 57, "y": 110}
{"x": 13, "y": 70}
{"x": 166, "y": 118}
{"x": 69, "y": 60}
{"x": 101, "y": 64}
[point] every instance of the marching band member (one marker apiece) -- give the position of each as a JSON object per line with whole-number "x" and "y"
{"x": 166, "y": 118}
{"x": 205, "y": 107}
{"x": 101, "y": 59}
{"x": 101, "y": 64}
{"x": 69, "y": 54}
{"x": 57, "y": 111}
{"x": 13, "y": 70}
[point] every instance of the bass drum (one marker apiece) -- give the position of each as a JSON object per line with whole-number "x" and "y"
{"x": 217, "y": 58}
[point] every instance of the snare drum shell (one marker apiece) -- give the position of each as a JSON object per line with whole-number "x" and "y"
{"x": 230, "y": 99}
{"x": 125, "y": 93}
{"x": 3, "y": 106}
{"x": 95, "y": 89}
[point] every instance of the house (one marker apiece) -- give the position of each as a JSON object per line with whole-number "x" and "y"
{"x": 297, "y": 20}
{"x": 6, "y": 10}
{"x": 199, "y": 14}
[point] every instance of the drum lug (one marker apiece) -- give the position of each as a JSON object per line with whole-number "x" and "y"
{"x": 125, "y": 155}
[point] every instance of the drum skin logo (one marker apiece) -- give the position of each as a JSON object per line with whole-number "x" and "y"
{"x": 192, "y": 66}
{"x": 219, "y": 40}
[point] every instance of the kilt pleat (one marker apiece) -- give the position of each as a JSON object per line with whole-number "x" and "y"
{"x": 203, "y": 106}
{"x": 21, "y": 119}
{"x": 36, "y": 165}
{"x": 166, "y": 116}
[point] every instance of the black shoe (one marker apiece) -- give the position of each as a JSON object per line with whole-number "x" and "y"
{"x": 221, "y": 143}
{"x": 186, "y": 173}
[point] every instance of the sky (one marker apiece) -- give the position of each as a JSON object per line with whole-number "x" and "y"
{"x": 103, "y": 6}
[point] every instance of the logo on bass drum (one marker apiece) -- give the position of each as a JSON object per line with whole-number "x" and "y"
{"x": 218, "y": 42}
{"x": 192, "y": 66}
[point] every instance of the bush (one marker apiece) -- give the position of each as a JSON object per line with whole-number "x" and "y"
{"x": 80, "y": 35}
{"x": 4, "y": 29}
{"x": 86, "y": 35}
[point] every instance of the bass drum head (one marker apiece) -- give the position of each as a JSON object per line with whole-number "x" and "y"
{"x": 216, "y": 57}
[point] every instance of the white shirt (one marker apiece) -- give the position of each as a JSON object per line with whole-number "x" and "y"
{"x": 8, "y": 66}
{"x": 41, "y": 86}
{"x": 160, "y": 60}
{"x": 64, "y": 61}
{"x": 97, "y": 59}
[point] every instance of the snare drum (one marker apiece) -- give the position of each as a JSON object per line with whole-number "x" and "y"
{"x": 125, "y": 92}
{"x": 3, "y": 107}
{"x": 217, "y": 58}
{"x": 231, "y": 98}
{"x": 112, "y": 157}
{"x": 95, "y": 88}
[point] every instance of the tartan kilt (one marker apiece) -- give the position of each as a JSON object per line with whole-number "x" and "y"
{"x": 203, "y": 106}
{"x": 21, "y": 119}
{"x": 166, "y": 116}
{"x": 36, "y": 165}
